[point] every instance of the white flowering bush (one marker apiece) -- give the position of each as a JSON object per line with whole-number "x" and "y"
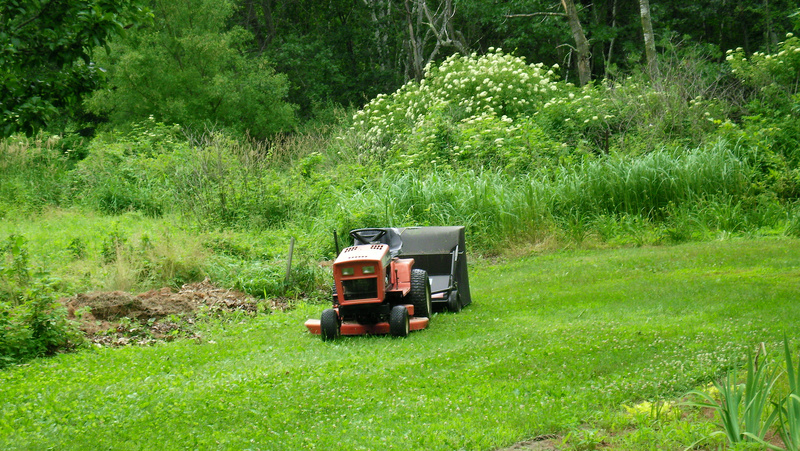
{"x": 775, "y": 75}
{"x": 435, "y": 122}
{"x": 498, "y": 111}
{"x": 770, "y": 127}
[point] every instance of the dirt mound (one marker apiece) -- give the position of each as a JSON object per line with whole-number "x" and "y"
{"x": 117, "y": 318}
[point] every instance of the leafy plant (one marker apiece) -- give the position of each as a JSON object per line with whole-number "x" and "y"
{"x": 32, "y": 323}
{"x": 585, "y": 439}
{"x": 788, "y": 409}
{"x": 113, "y": 244}
{"x": 45, "y": 50}
{"x": 743, "y": 406}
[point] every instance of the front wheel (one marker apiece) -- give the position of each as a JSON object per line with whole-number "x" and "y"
{"x": 398, "y": 321}
{"x": 329, "y": 324}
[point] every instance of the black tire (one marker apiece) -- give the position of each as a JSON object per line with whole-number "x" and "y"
{"x": 329, "y": 324}
{"x": 421, "y": 293}
{"x": 398, "y": 321}
{"x": 454, "y": 303}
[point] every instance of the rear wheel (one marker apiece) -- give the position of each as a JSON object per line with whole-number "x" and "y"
{"x": 329, "y": 324}
{"x": 398, "y": 321}
{"x": 421, "y": 293}
{"x": 454, "y": 303}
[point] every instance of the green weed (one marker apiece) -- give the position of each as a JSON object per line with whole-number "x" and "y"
{"x": 32, "y": 323}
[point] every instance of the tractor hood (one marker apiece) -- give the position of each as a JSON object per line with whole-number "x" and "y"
{"x": 372, "y": 252}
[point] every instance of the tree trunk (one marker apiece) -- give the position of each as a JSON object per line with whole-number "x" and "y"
{"x": 414, "y": 44}
{"x": 613, "y": 38}
{"x": 581, "y": 44}
{"x": 649, "y": 40}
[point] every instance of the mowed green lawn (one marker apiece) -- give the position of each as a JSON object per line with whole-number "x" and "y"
{"x": 552, "y": 344}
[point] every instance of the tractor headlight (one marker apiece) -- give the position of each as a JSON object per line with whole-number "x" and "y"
{"x": 367, "y": 270}
{"x": 347, "y": 271}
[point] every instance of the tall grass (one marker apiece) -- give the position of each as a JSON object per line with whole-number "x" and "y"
{"x": 647, "y": 185}
{"x": 215, "y": 181}
{"x": 34, "y": 172}
{"x": 496, "y": 206}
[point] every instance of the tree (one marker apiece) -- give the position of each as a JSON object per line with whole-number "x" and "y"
{"x": 191, "y": 69}
{"x": 649, "y": 40}
{"x": 581, "y": 44}
{"x": 333, "y": 51}
{"x": 46, "y": 50}
{"x": 428, "y": 32}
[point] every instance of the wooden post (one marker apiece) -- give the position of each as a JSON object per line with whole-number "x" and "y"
{"x": 289, "y": 261}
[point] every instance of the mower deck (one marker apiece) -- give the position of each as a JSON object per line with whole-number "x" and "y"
{"x": 354, "y": 328}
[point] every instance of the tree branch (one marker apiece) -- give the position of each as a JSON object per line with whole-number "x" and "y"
{"x": 508, "y": 16}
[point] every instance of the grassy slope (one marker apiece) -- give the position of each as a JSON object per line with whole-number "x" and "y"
{"x": 552, "y": 342}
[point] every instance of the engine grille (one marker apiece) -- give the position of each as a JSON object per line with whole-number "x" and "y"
{"x": 360, "y": 289}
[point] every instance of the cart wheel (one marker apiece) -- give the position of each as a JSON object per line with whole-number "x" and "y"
{"x": 398, "y": 321}
{"x": 454, "y": 303}
{"x": 421, "y": 293}
{"x": 329, "y": 324}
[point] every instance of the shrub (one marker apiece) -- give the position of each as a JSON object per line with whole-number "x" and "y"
{"x": 34, "y": 172}
{"x": 772, "y": 122}
{"x": 129, "y": 172}
{"x": 431, "y": 123}
{"x": 32, "y": 323}
{"x": 774, "y": 77}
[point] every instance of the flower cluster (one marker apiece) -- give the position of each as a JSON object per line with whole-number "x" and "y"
{"x": 426, "y": 122}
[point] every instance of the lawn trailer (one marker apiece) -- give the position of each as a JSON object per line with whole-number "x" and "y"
{"x": 391, "y": 279}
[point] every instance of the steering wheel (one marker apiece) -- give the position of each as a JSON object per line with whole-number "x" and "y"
{"x": 367, "y": 235}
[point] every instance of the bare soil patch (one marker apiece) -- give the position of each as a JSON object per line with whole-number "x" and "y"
{"x": 548, "y": 442}
{"x": 118, "y": 318}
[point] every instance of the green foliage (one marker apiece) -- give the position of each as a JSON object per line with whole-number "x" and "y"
{"x": 709, "y": 185}
{"x": 128, "y": 172}
{"x": 14, "y": 271}
{"x": 113, "y": 244}
{"x": 32, "y": 323}
{"x": 771, "y": 125}
{"x": 789, "y": 408}
{"x": 34, "y": 173}
{"x": 478, "y": 142}
{"x": 190, "y": 68}
{"x": 45, "y": 52}
{"x": 742, "y": 407}
{"x": 497, "y": 111}
{"x": 267, "y": 277}
{"x": 774, "y": 76}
